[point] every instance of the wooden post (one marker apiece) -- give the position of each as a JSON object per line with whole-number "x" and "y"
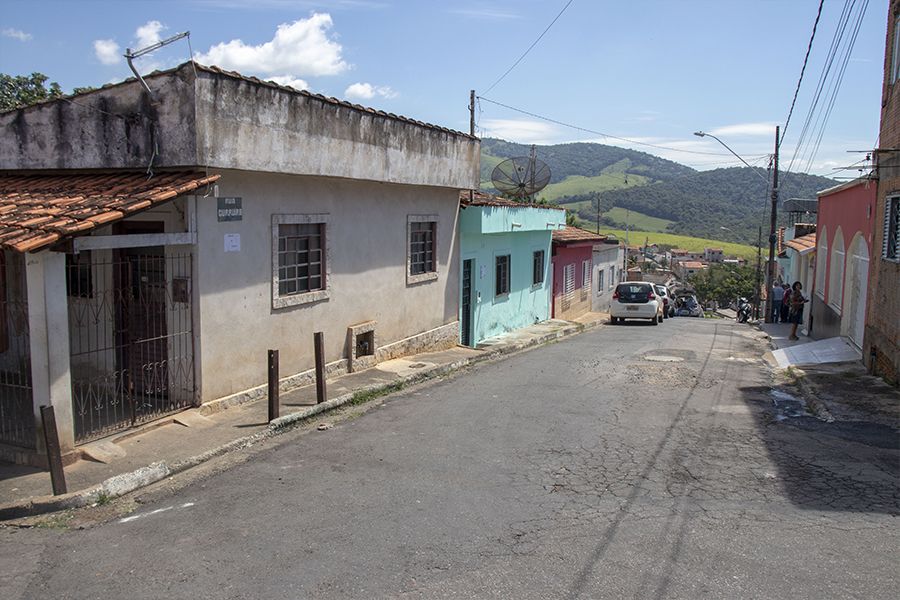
{"x": 319, "y": 342}
{"x": 273, "y": 385}
{"x": 54, "y": 454}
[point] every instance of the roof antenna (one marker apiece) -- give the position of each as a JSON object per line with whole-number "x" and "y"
{"x": 130, "y": 55}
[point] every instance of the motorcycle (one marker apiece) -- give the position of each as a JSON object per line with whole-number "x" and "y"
{"x": 743, "y": 310}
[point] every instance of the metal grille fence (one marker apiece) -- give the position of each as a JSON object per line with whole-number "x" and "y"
{"x": 17, "y": 422}
{"x": 130, "y": 337}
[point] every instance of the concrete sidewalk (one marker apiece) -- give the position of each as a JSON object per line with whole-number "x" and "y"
{"x": 137, "y": 458}
{"x": 806, "y": 351}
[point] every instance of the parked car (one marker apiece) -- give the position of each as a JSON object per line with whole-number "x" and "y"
{"x": 668, "y": 301}
{"x": 635, "y": 300}
{"x": 687, "y": 306}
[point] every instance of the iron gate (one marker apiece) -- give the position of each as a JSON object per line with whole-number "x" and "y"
{"x": 130, "y": 336}
{"x": 17, "y": 423}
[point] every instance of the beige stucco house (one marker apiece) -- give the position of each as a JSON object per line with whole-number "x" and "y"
{"x": 158, "y": 240}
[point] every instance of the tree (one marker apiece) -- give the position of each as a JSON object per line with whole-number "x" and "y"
{"x": 571, "y": 219}
{"x": 21, "y": 90}
{"x": 724, "y": 283}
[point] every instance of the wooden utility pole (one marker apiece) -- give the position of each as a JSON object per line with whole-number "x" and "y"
{"x": 773, "y": 237}
{"x": 472, "y": 112}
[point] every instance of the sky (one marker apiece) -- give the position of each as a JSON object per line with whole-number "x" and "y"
{"x": 643, "y": 71}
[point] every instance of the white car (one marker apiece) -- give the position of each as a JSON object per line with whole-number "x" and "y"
{"x": 635, "y": 300}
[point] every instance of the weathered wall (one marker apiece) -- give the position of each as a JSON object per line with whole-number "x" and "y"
{"x": 367, "y": 248}
{"x": 225, "y": 121}
{"x": 607, "y": 259}
{"x": 243, "y": 125}
{"x": 581, "y": 298}
{"x": 881, "y": 346}
{"x": 115, "y": 127}
{"x": 525, "y": 304}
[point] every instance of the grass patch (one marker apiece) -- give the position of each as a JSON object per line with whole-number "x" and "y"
{"x": 55, "y": 521}
{"x": 692, "y": 244}
{"x": 637, "y": 220}
{"x": 367, "y": 395}
{"x": 574, "y": 185}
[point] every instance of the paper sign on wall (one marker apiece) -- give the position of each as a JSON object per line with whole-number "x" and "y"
{"x": 232, "y": 242}
{"x": 482, "y": 271}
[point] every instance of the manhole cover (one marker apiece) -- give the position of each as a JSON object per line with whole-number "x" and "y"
{"x": 663, "y": 358}
{"x": 416, "y": 365}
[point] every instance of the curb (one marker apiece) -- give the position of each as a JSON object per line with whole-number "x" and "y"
{"x": 125, "y": 483}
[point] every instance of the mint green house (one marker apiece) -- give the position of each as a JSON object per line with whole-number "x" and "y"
{"x": 504, "y": 251}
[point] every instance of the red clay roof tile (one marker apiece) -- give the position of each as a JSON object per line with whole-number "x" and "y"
{"x": 37, "y": 211}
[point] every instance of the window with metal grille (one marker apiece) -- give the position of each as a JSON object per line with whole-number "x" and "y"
{"x": 79, "y": 282}
{"x": 421, "y": 247}
{"x": 537, "y": 277}
{"x": 586, "y": 274}
{"x": 301, "y": 258}
{"x": 502, "y": 270}
{"x": 891, "y": 250}
{"x": 600, "y": 287}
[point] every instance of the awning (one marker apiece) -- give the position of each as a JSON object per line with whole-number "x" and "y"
{"x": 37, "y": 211}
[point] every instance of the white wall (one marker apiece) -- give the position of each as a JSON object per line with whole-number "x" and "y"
{"x": 366, "y": 249}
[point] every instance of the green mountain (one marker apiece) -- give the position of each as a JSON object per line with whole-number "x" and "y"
{"x": 653, "y": 194}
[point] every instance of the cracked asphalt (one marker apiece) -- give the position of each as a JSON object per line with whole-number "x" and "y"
{"x": 626, "y": 462}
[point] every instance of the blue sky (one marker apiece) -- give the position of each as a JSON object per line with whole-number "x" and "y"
{"x": 648, "y": 71}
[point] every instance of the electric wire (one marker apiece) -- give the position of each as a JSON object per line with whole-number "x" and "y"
{"x": 802, "y": 70}
{"x": 515, "y": 64}
{"x": 601, "y": 134}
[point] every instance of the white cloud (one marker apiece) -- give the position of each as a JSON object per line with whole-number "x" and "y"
{"x": 367, "y": 91}
{"x": 16, "y": 34}
{"x": 485, "y": 13}
{"x": 148, "y": 34}
{"x": 298, "y": 84}
{"x": 107, "y": 51}
{"x": 299, "y": 48}
{"x": 746, "y": 129}
{"x": 522, "y": 131}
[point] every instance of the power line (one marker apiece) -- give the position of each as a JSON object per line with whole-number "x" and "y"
{"x": 606, "y": 135}
{"x": 802, "y": 70}
{"x": 515, "y": 64}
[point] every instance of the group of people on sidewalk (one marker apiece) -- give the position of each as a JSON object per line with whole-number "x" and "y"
{"x": 787, "y": 305}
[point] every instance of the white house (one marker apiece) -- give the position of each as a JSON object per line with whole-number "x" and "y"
{"x": 608, "y": 262}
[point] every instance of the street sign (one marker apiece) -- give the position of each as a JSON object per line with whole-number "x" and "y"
{"x": 229, "y": 209}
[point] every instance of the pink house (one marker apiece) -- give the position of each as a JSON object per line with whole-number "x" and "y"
{"x": 572, "y": 266}
{"x": 846, "y": 222}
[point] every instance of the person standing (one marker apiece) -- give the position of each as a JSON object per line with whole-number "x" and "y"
{"x": 796, "y": 310}
{"x": 777, "y": 297}
{"x": 786, "y": 304}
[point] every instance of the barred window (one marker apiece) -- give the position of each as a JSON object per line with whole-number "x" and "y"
{"x": 892, "y": 228}
{"x": 79, "y": 282}
{"x": 301, "y": 258}
{"x": 502, "y": 271}
{"x": 537, "y": 277}
{"x": 421, "y": 247}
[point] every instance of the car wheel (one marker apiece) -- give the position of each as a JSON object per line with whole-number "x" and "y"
{"x": 613, "y": 320}
{"x": 654, "y": 321}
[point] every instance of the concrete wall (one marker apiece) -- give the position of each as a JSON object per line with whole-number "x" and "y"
{"x": 225, "y": 121}
{"x": 606, "y": 259}
{"x": 580, "y": 300}
{"x": 881, "y": 350}
{"x": 525, "y": 304}
{"x": 366, "y": 248}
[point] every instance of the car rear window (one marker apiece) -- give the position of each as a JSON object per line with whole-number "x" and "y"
{"x": 633, "y": 292}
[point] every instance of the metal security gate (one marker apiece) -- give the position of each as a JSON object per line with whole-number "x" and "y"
{"x": 568, "y": 294}
{"x": 17, "y": 423}
{"x": 131, "y": 338}
{"x": 466, "y": 324}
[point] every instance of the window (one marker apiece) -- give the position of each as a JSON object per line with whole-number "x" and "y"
{"x": 79, "y": 283}
{"x": 501, "y": 286}
{"x": 537, "y": 276}
{"x": 421, "y": 247}
{"x": 895, "y": 56}
{"x": 586, "y": 274}
{"x": 299, "y": 256}
{"x": 891, "y": 246}
{"x": 612, "y": 277}
{"x": 600, "y": 284}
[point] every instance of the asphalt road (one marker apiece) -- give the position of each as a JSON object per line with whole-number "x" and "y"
{"x": 627, "y": 462}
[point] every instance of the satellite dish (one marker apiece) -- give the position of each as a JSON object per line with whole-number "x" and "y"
{"x": 521, "y": 177}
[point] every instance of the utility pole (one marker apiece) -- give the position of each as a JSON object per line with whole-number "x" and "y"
{"x": 472, "y": 112}
{"x": 770, "y": 272}
{"x": 758, "y": 271}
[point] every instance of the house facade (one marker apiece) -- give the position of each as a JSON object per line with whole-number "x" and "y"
{"x": 608, "y": 260}
{"x": 846, "y": 219}
{"x": 798, "y": 265}
{"x": 158, "y": 241}
{"x": 505, "y": 277}
{"x": 572, "y": 271}
{"x": 881, "y": 348}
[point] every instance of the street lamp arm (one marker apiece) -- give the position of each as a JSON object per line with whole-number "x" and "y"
{"x": 704, "y": 134}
